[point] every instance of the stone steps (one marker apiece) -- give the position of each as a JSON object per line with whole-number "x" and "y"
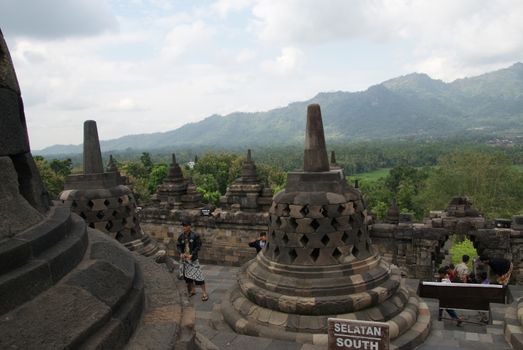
{"x": 46, "y": 257}
{"x": 169, "y": 317}
{"x": 512, "y": 327}
{"x": 96, "y": 305}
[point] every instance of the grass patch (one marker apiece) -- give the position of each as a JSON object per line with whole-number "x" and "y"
{"x": 371, "y": 175}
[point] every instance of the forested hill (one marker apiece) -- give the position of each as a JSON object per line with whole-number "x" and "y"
{"x": 407, "y": 106}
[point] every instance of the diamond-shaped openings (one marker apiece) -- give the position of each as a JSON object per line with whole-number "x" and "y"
{"x": 74, "y": 204}
{"x": 285, "y": 238}
{"x": 305, "y": 210}
{"x": 82, "y": 214}
{"x": 292, "y": 255}
{"x": 109, "y": 225}
{"x": 276, "y": 253}
{"x": 336, "y": 254}
{"x": 359, "y": 234}
{"x": 341, "y": 208}
{"x": 335, "y": 224}
{"x": 278, "y": 221}
{"x": 325, "y": 240}
{"x": 91, "y": 225}
{"x": 304, "y": 240}
{"x": 315, "y": 224}
{"x": 355, "y": 251}
{"x": 345, "y": 238}
{"x": 293, "y": 223}
{"x": 90, "y": 204}
{"x": 106, "y": 202}
{"x": 118, "y": 236}
{"x": 120, "y": 200}
{"x": 100, "y": 215}
{"x": 315, "y": 254}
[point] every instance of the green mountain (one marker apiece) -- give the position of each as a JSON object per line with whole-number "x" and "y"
{"x": 413, "y": 105}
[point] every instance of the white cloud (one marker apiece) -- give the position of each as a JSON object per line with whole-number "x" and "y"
{"x": 126, "y": 104}
{"x": 289, "y": 61}
{"x": 186, "y": 37}
{"x": 464, "y": 36}
{"x": 224, "y": 7}
{"x": 56, "y": 18}
{"x": 245, "y": 55}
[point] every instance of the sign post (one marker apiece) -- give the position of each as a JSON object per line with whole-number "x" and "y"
{"x": 356, "y": 334}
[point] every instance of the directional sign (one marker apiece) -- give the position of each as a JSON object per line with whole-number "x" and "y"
{"x": 355, "y": 334}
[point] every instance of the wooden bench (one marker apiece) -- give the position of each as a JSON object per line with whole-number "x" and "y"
{"x": 466, "y": 296}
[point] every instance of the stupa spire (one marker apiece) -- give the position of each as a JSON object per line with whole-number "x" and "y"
{"x": 92, "y": 155}
{"x": 315, "y": 153}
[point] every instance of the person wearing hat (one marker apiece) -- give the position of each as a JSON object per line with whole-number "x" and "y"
{"x": 188, "y": 246}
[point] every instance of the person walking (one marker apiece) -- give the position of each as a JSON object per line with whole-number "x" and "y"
{"x": 443, "y": 273}
{"x": 188, "y": 246}
{"x": 462, "y": 270}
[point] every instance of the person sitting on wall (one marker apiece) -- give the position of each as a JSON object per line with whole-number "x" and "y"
{"x": 462, "y": 270}
{"x": 259, "y": 243}
{"x": 188, "y": 246}
{"x": 501, "y": 267}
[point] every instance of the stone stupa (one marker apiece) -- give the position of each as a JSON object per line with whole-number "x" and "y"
{"x": 319, "y": 263}
{"x": 100, "y": 197}
{"x": 247, "y": 193}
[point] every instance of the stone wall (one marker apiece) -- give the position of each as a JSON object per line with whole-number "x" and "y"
{"x": 225, "y": 234}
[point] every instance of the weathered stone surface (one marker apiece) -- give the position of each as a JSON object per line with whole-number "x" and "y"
{"x": 16, "y": 214}
{"x": 92, "y": 154}
{"x": 315, "y": 153}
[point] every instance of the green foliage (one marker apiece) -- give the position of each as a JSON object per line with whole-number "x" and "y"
{"x": 158, "y": 173}
{"x": 489, "y": 180}
{"x": 52, "y": 177}
{"x": 460, "y": 248}
{"x": 62, "y": 167}
{"x": 223, "y": 167}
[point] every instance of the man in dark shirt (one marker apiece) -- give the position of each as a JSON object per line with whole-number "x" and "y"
{"x": 260, "y": 243}
{"x": 502, "y": 268}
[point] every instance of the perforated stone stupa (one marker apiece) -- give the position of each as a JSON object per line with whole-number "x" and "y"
{"x": 319, "y": 263}
{"x": 102, "y": 200}
{"x": 247, "y": 193}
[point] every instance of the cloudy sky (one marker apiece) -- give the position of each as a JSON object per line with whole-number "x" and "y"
{"x": 141, "y": 66}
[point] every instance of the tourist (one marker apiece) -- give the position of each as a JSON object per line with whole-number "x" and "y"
{"x": 451, "y": 271}
{"x": 444, "y": 277}
{"x": 462, "y": 270}
{"x": 188, "y": 246}
{"x": 501, "y": 267}
{"x": 259, "y": 243}
{"x": 483, "y": 278}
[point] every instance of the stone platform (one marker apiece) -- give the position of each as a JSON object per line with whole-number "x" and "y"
{"x": 213, "y": 333}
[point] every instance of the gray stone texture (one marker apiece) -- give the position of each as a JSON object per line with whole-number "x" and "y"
{"x": 315, "y": 153}
{"x": 92, "y": 154}
{"x": 13, "y": 130}
{"x": 16, "y": 214}
{"x": 247, "y": 193}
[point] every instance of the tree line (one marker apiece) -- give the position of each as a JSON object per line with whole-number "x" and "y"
{"x": 424, "y": 176}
